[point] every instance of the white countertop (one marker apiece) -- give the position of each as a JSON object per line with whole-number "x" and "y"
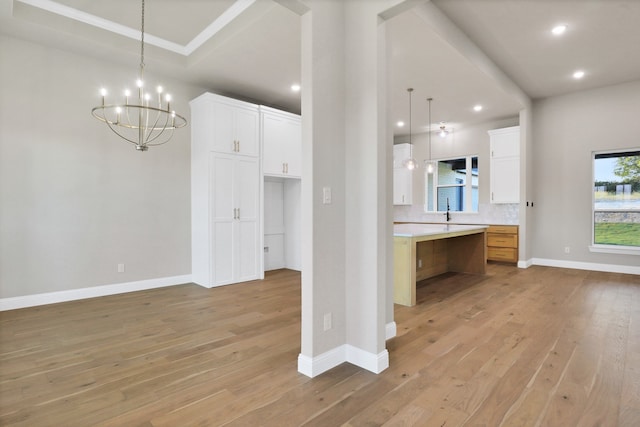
{"x": 418, "y": 230}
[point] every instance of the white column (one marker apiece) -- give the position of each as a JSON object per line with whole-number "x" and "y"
{"x": 346, "y": 150}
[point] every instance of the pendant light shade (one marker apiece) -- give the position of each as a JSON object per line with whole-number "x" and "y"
{"x": 429, "y": 164}
{"x": 410, "y": 163}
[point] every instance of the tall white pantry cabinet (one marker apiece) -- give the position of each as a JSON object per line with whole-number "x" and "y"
{"x": 226, "y": 208}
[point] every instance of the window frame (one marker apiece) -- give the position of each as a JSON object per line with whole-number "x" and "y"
{"x": 468, "y": 185}
{"x": 601, "y": 247}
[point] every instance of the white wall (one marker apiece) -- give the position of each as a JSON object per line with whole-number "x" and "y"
{"x": 74, "y": 200}
{"x": 473, "y": 140}
{"x": 566, "y": 130}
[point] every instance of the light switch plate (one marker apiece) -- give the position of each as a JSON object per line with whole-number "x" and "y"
{"x": 326, "y": 195}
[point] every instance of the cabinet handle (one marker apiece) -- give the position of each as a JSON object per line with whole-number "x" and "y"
{"x": 283, "y": 171}
{"x": 287, "y": 167}
{"x": 235, "y": 215}
{"x": 238, "y": 213}
{"x": 238, "y": 146}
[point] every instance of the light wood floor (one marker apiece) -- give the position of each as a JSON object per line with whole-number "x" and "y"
{"x": 541, "y": 346}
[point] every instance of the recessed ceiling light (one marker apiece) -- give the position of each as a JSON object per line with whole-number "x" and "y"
{"x": 400, "y": 124}
{"x": 477, "y": 107}
{"x": 559, "y": 29}
{"x": 295, "y": 87}
{"x": 578, "y": 74}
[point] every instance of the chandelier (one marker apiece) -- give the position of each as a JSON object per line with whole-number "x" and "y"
{"x": 144, "y": 120}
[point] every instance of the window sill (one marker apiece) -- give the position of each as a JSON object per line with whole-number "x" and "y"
{"x": 609, "y": 249}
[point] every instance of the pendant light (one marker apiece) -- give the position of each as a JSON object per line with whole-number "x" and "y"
{"x": 410, "y": 163}
{"x": 430, "y": 164}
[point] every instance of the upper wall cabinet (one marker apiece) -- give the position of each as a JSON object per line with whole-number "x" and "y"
{"x": 228, "y": 125}
{"x": 402, "y": 177}
{"x": 505, "y": 165}
{"x": 281, "y": 139}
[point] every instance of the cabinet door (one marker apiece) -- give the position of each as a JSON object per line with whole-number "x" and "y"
{"x": 235, "y": 129}
{"x": 505, "y": 165}
{"x": 222, "y": 171}
{"x": 247, "y": 131}
{"x": 401, "y": 152}
{"x": 293, "y": 149}
{"x": 235, "y": 198}
{"x": 273, "y": 135}
{"x": 247, "y": 237}
{"x": 402, "y": 186}
{"x": 505, "y": 180}
{"x": 223, "y": 128}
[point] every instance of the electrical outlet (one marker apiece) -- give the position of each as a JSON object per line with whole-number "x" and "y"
{"x": 567, "y": 249}
{"x": 327, "y": 321}
{"x": 120, "y": 268}
{"x": 419, "y": 263}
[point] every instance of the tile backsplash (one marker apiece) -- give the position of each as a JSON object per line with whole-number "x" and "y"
{"x": 506, "y": 214}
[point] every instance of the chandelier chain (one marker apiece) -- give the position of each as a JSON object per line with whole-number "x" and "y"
{"x": 142, "y": 39}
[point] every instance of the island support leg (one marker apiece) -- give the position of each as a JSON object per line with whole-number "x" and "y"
{"x": 404, "y": 271}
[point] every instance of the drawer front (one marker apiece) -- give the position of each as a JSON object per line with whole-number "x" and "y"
{"x": 503, "y": 229}
{"x": 502, "y": 240}
{"x": 502, "y": 254}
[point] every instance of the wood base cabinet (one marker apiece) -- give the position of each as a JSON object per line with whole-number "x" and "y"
{"x": 502, "y": 243}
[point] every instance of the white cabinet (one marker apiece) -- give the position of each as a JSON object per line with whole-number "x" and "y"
{"x": 402, "y": 177}
{"x": 226, "y": 180}
{"x": 505, "y": 165}
{"x": 401, "y": 152}
{"x": 227, "y": 125}
{"x": 281, "y": 143}
{"x": 235, "y": 218}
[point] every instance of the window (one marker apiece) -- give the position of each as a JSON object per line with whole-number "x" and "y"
{"x": 454, "y": 184}
{"x": 616, "y": 202}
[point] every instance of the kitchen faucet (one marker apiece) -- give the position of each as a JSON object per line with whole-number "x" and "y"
{"x": 448, "y": 214}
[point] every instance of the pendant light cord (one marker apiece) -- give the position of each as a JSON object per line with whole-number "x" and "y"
{"x": 429, "y": 99}
{"x": 410, "y": 143}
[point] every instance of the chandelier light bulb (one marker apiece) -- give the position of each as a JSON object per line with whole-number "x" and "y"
{"x": 167, "y": 97}
{"x": 159, "y": 89}
{"x": 103, "y": 92}
{"x": 139, "y": 83}
{"x": 127, "y": 92}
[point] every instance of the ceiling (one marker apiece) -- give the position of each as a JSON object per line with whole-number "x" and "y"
{"x": 250, "y": 49}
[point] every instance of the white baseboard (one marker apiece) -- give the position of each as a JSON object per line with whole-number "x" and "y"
{"x": 91, "y": 292}
{"x": 525, "y": 264}
{"x": 609, "y": 268}
{"x": 390, "y": 330}
{"x": 315, "y": 366}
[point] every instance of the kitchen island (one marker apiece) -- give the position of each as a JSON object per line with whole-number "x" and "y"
{"x": 421, "y": 251}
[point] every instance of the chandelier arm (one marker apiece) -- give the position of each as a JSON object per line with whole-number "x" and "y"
{"x": 158, "y": 132}
{"x": 168, "y": 137}
{"x": 155, "y": 124}
{"x": 121, "y": 135}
